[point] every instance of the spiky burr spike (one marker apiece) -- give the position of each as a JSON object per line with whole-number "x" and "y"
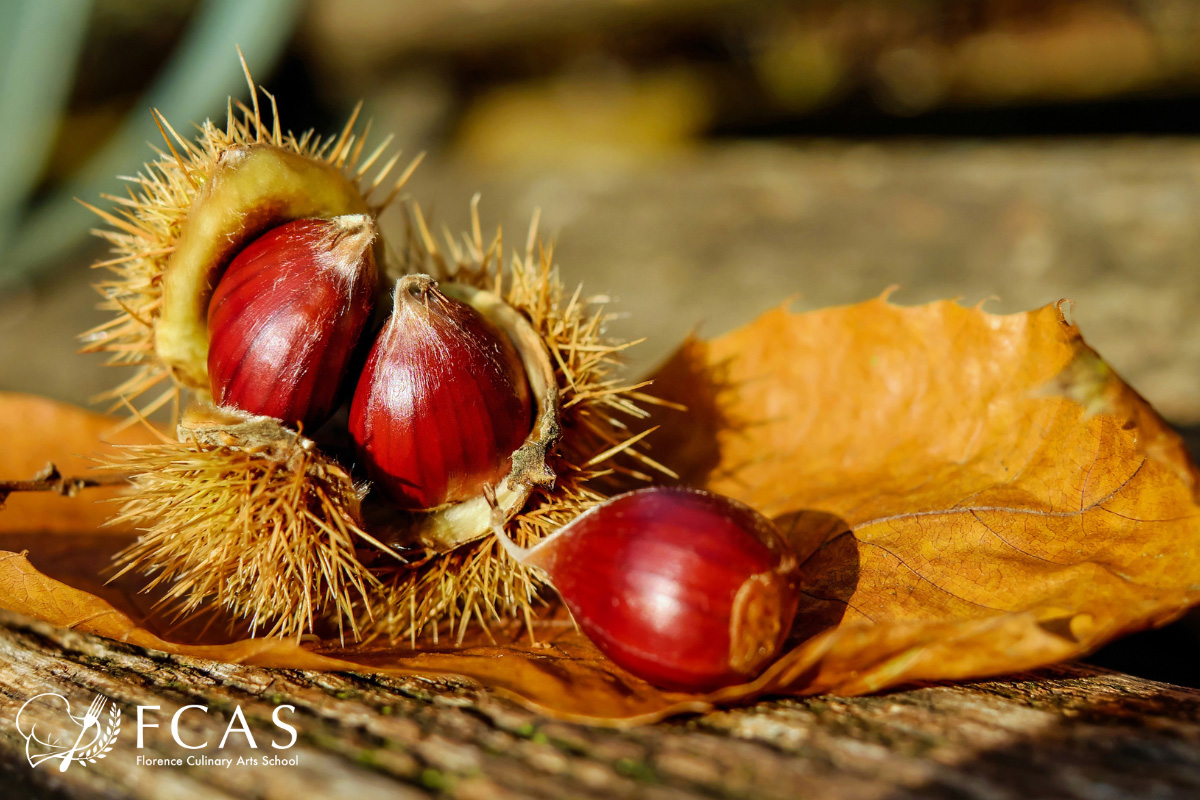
{"x": 252, "y": 518}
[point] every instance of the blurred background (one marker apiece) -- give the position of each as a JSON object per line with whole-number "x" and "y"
{"x": 699, "y": 161}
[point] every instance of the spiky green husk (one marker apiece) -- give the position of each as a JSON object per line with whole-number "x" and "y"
{"x": 266, "y": 533}
{"x": 478, "y": 582}
{"x": 273, "y": 540}
{"x": 146, "y": 225}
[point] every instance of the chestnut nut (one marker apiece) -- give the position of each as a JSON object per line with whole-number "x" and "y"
{"x": 442, "y": 403}
{"x": 286, "y": 317}
{"x": 686, "y": 589}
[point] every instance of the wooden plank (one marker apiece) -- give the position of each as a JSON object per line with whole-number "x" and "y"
{"x": 1071, "y": 732}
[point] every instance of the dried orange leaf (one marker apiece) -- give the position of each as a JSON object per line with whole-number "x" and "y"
{"x": 36, "y": 432}
{"x": 972, "y": 494}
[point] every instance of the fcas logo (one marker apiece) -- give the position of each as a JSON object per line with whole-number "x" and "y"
{"x": 68, "y": 737}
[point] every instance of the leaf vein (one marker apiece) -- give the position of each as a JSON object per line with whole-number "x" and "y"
{"x": 1005, "y": 509}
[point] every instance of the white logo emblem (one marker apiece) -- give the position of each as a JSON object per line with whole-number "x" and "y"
{"x": 83, "y": 739}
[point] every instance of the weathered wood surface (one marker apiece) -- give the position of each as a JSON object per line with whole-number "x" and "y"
{"x": 1067, "y": 732}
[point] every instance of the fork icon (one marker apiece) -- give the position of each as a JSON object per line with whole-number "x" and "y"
{"x": 89, "y": 719}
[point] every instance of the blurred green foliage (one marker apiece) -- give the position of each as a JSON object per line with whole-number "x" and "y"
{"x": 40, "y": 46}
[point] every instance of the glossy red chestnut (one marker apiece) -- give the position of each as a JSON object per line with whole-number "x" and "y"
{"x": 442, "y": 403}
{"x": 287, "y": 316}
{"x": 686, "y": 589}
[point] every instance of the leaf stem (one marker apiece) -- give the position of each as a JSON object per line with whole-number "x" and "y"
{"x": 49, "y": 479}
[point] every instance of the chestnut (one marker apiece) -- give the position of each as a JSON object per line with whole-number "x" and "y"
{"x": 287, "y": 316}
{"x": 686, "y": 589}
{"x": 442, "y": 403}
